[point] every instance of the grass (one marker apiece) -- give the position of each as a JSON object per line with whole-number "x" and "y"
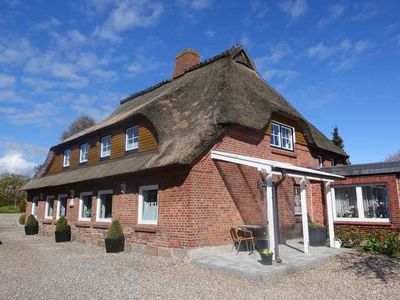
{"x": 6, "y": 208}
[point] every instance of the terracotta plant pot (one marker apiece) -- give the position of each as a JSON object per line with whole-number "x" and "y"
{"x": 115, "y": 245}
{"x": 31, "y": 229}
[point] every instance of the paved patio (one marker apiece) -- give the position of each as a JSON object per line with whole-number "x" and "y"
{"x": 249, "y": 266}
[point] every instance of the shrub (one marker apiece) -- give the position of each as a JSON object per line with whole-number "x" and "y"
{"x": 314, "y": 225}
{"x": 350, "y": 236}
{"x": 22, "y": 205}
{"x": 31, "y": 221}
{"x": 62, "y": 225}
{"x": 384, "y": 242}
{"x": 115, "y": 231}
{"x": 22, "y": 219}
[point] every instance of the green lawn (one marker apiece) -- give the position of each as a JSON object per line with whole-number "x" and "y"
{"x": 6, "y": 208}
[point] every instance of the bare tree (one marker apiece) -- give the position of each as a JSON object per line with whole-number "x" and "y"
{"x": 393, "y": 157}
{"x": 78, "y": 125}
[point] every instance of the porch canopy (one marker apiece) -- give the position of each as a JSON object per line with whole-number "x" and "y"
{"x": 268, "y": 168}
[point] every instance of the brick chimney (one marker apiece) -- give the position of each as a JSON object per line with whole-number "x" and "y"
{"x": 184, "y": 60}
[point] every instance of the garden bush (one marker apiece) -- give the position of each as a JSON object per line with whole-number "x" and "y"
{"x": 31, "y": 221}
{"x": 384, "y": 242}
{"x": 315, "y": 225}
{"x": 22, "y": 219}
{"x": 350, "y": 236}
{"x": 115, "y": 231}
{"x": 62, "y": 225}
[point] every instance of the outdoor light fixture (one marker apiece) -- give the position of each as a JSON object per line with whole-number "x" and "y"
{"x": 71, "y": 198}
{"x": 123, "y": 187}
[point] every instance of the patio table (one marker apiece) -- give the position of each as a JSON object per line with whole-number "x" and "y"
{"x": 257, "y": 233}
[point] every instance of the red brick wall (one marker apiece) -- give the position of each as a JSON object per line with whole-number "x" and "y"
{"x": 198, "y": 205}
{"x": 392, "y": 182}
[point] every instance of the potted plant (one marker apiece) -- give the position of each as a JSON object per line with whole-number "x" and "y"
{"x": 266, "y": 256}
{"x": 31, "y": 226}
{"x": 22, "y": 219}
{"x": 115, "y": 238}
{"x": 317, "y": 234}
{"x": 63, "y": 230}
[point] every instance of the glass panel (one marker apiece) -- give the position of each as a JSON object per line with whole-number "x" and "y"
{"x": 287, "y": 138}
{"x": 297, "y": 201}
{"x": 84, "y": 152}
{"x": 150, "y": 204}
{"x": 346, "y": 202}
{"x": 35, "y": 207}
{"x": 106, "y": 146}
{"x": 50, "y": 207}
{"x": 67, "y": 157}
{"x": 275, "y": 140}
{"x": 63, "y": 206}
{"x": 87, "y": 207}
{"x": 132, "y": 138}
{"x": 375, "y": 201}
{"x": 106, "y": 206}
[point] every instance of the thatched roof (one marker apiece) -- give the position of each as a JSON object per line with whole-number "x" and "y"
{"x": 189, "y": 113}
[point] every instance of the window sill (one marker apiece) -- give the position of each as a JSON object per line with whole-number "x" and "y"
{"x": 82, "y": 224}
{"x": 101, "y": 225}
{"x": 363, "y": 222}
{"x": 47, "y": 221}
{"x": 284, "y": 152}
{"x": 146, "y": 228}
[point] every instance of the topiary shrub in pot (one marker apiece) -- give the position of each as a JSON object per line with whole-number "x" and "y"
{"x": 31, "y": 226}
{"x": 63, "y": 230}
{"x": 317, "y": 234}
{"x": 115, "y": 239}
{"x": 22, "y": 219}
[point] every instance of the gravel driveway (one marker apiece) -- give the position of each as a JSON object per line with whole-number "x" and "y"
{"x": 38, "y": 268}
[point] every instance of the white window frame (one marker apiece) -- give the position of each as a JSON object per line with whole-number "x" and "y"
{"x": 360, "y": 205}
{"x": 59, "y": 204}
{"x": 48, "y": 198}
{"x": 280, "y": 135}
{"x": 65, "y": 162}
{"x": 33, "y": 206}
{"x": 135, "y": 145}
{"x": 81, "y": 160}
{"x": 98, "y": 206}
{"x": 140, "y": 204}
{"x": 81, "y": 195}
{"x": 333, "y": 163}
{"x": 321, "y": 161}
{"x": 102, "y": 154}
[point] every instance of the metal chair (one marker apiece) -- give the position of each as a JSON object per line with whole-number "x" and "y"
{"x": 240, "y": 235}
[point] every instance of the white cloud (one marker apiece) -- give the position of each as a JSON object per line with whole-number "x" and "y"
{"x": 210, "y": 33}
{"x": 18, "y": 51}
{"x": 296, "y": 8}
{"x": 128, "y": 15}
{"x": 259, "y": 8}
{"x": 142, "y": 64}
{"x": 365, "y": 11}
{"x": 342, "y": 56}
{"x": 274, "y": 55}
{"x": 52, "y": 23}
{"x": 38, "y": 84}
{"x": 282, "y": 75}
{"x": 10, "y": 96}
{"x": 335, "y": 11}
{"x": 9, "y": 145}
{"x": 16, "y": 163}
{"x": 194, "y": 4}
{"x": 6, "y": 80}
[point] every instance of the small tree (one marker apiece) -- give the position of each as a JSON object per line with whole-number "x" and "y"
{"x": 393, "y": 157}
{"x": 9, "y": 189}
{"x": 336, "y": 138}
{"x": 115, "y": 231}
{"x": 78, "y": 125}
{"x": 62, "y": 225}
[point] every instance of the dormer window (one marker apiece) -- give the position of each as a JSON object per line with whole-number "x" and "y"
{"x": 282, "y": 136}
{"x": 67, "y": 158}
{"x": 83, "y": 153}
{"x": 131, "y": 138}
{"x": 106, "y": 146}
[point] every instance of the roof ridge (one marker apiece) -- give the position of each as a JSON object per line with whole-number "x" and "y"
{"x": 190, "y": 69}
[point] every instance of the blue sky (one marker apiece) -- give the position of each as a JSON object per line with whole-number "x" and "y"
{"x": 338, "y": 63}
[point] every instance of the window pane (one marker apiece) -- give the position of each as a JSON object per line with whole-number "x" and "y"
{"x": 67, "y": 157}
{"x": 84, "y": 152}
{"x": 346, "y": 202}
{"x": 275, "y": 135}
{"x": 35, "y": 204}
{"x": 63, "y": 206}
{"x": 297, "y": 201}
{"x": 150, "y": 205}
{"x": 106, "y": 146}
{"x": 106, "y": 206}
{"x": 287, "y": 140}
{"x": 50, "y": 207}
{"x": 375, "y": 201}
{"x": 132, "y": 138}
{"x": 87, "y": 207}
